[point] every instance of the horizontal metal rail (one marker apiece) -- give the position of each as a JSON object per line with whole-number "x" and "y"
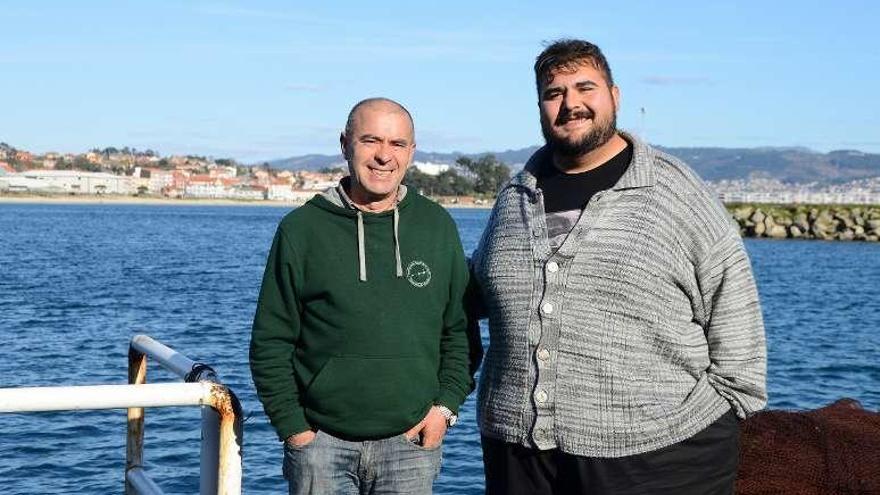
{"x": 221, "y": 413}
{"x": 94, "y": 397}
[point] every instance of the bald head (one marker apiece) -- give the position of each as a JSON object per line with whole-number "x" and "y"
{"x": 378, "y": 145}
{"x": 380, "y": 104}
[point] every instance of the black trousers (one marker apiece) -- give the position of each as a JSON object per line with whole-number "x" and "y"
{"x": 704, "y": 464}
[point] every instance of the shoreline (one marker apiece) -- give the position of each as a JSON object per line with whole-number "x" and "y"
{"x": 756, "y": 221}
{"x": 154, "y": 201}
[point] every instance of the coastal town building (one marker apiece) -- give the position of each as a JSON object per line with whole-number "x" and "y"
{"x": 771, "y": 191}
{"x": 207, "y": 187}
{"x": 802, "y": 197}
{"x": 66, "y": 182}
{"x": 204, "y": 186}
{"x": 188, "y": 162}
{"x": 262, "y": 177}
{"x": 246, "y": 193}
{"x": 144, "y": 160}
{"x": 430, "y": 168}
{"x": 281, "y": 190}
{"x": 24, "y": 156}
{"x": 221, "y": 172}
{"x": 317, "y": 181}
{"x": 163, "y": 179}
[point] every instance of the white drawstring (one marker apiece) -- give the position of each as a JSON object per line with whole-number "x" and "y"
{"x": 362, "y": 255}
{"x": 397, "y": 241}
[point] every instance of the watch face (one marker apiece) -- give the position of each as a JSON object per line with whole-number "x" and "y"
{"x": 452, "y": 420}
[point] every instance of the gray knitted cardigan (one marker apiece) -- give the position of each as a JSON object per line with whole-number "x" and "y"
{"x": 640, "y": 331}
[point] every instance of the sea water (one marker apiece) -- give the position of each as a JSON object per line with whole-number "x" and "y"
{"x": 77, "y": 281}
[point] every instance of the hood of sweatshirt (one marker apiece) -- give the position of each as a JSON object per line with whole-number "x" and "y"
{"x": 342, "y": 204}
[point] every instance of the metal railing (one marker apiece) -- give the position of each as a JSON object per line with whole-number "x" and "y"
{"x": 220, "y": 470}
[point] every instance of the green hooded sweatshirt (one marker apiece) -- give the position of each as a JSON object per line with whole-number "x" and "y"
{"x": 359, "y": 327}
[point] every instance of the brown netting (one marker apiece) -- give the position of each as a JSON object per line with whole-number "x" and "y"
{"x": 827, "y": 451}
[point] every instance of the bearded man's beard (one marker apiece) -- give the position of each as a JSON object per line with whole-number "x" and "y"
{"x": 596, "y": 137}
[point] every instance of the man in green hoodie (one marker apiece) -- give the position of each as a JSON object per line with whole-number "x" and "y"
{"x": 360, "y": 350}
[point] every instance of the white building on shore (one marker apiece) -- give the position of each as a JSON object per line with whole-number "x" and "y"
{"x": 801, "y": 197}
{"x": 66, "y": 182}
{"x": 247, "y": 193}
{"x": 430, "y": 168}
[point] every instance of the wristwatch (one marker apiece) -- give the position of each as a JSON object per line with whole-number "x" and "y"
{"x": 447, "y": 413}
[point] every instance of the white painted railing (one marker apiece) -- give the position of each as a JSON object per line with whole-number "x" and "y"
{"x": 221, "y": 413}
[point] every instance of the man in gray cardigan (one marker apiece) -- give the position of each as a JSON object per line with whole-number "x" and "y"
{"x": 626, "y": 333}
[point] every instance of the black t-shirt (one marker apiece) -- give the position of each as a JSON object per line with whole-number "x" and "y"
{"x": 566, "y": 195}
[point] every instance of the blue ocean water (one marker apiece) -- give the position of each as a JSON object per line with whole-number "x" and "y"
{"x": 77, "y": 281}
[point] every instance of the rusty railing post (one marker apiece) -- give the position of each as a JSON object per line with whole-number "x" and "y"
{"x": 134, "y": 445}
{"x": 229, "y": 475}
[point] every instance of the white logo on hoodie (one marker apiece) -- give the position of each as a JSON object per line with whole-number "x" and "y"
{"x": 418, "y": 273}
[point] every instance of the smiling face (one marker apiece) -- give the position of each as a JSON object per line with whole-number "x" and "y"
{"x": 379, "y": 147}
{"x": 578, "y": 109}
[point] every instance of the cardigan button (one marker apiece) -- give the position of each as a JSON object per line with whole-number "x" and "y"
{"x": 543, "y": 354}
{"x": 541, "y": 435}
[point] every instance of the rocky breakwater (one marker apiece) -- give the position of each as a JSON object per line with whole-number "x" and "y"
{"x": 843, "y": 223}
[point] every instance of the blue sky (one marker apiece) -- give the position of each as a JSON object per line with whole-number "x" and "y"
{"x": 262, "y": 80}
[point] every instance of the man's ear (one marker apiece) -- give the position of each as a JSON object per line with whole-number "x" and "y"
{"x": 343, "y": 145}
{"x": 615, "y": 95}
{"x": 412, "y": 153}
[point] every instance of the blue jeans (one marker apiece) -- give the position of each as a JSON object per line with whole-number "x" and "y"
{"x": 329, "y": 465}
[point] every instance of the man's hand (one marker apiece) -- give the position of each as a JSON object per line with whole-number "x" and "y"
{"x": 431, "y": 429}
{"x": 301, "y": 439}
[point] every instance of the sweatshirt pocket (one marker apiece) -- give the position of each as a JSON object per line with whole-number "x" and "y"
{"x": 371, "y": 396}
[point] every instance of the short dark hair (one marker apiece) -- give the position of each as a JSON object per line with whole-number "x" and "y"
{"x": 569, "y": 53}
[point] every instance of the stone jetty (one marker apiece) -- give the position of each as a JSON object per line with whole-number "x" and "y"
{"x": 825, "y": 222}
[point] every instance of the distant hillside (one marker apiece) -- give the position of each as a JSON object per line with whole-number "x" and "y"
{"x": 307, "y": 162}
{"x": 513, "y": 158}
{"x": 784, "y": 164}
